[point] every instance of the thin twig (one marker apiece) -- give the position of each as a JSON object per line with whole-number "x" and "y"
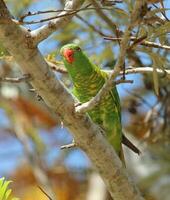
{"x": 56, "y": 68}
{"x": 137, "y": 41}
{"x": 48, "y": 19}
{"x": 162, "y": 12}
{"x": 39, "y": 98}
{"x": 68, "y": 146}
{"x": 47, "y": 195}
{"x": 123, "y": 81}
{"x": 25, "y": 77}
{"x": 130, "y": 70}
{"x": 145, "y": 43}
{"x": 71, "y": 12}
{"x": 110, "y": 2}
{"x": 143, "y": 70}
{"x": 21, "y": 20}
{"x": 32, "y": 90}
{"x": 57, "y": 11}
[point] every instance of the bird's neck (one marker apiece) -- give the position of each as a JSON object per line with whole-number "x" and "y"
{"x": 86, "y": 85}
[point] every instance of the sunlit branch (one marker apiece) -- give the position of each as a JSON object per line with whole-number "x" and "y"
{"x": 71, "y": 12}
{"x": 130, "y": 70}
{"x": 25, "y": 77}
{"x": 146, "y": 70}
{"x": 44, "y": 31}
{"x": 143, "y": 42}
{"x": 56, "y": 68}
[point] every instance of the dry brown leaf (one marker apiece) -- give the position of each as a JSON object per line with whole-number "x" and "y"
{"x": 34, "y": 112}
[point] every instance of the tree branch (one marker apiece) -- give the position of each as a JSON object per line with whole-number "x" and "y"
{"x": 87, "y": 135}
{"x": 144, "y": 43}
{"x": 25, "y": 77}
{"x": 44, "y": 31}
{"x": 56, "y": 67}
{"x": 72, "y": 12}
{"x": 143, "y": 70}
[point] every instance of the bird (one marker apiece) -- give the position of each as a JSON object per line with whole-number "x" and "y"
{"x": 88, "y": 79}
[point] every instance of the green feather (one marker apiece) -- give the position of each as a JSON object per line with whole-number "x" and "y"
{"x": 87, "y": 81}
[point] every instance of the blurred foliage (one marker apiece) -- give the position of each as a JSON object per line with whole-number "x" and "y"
{"x": 4, "y": 191}
{"x": 32, "y": 135}
{"x": 21, "y": 6}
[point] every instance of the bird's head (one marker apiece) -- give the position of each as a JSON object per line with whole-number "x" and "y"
{"x": 75, "y": 60}
{"x": 71, "y": 53}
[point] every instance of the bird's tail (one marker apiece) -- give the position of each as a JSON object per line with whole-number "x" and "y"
{"x": 130, "y": 145}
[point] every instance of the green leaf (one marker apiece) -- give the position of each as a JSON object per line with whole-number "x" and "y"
{"x": 162, "y": 30}
{"x": 8, "y": 192}
{"x": 159, "y": 62}
{"x": 4, "y": 192}
{"x": 158, "y": 10}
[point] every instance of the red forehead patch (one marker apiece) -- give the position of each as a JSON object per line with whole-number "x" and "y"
{"x": 69, "y": 55}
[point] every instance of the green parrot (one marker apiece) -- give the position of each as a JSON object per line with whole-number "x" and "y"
{"x": 87, "y": 80}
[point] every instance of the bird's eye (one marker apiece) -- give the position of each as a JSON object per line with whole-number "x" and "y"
{"x": 78, "y": 49}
